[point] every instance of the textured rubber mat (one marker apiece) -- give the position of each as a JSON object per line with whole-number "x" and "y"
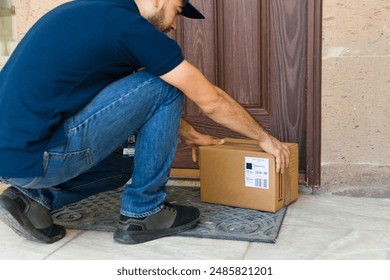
{"x": 101, "y": 213}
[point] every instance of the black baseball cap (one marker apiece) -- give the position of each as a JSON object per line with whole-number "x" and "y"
{"x": 190, "y": 11}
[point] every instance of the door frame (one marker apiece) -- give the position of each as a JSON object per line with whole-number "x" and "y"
{"x": 314, "y": 69}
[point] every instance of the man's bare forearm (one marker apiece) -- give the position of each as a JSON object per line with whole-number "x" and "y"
{"x": 232, "y": 115}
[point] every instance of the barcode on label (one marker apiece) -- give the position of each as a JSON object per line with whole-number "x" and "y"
{"x": 261, "y": 183}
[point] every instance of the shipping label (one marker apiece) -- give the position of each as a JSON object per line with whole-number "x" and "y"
{"x": 257, "y": 172}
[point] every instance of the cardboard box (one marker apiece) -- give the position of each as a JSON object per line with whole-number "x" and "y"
{"x": 238, "y": 173}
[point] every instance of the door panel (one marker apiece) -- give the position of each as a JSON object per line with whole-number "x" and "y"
{"x": 257, "y": 51}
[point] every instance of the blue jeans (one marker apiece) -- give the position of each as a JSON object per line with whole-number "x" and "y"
{"x": 90, "y": 161}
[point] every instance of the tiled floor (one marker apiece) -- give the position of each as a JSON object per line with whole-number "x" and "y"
{"x": 315, "y": 227}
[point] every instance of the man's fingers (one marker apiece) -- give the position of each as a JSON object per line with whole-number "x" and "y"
{"x": 277, "y": 164}
{"x": 206, "y": 140}
{"x": 280, "y": 152}
{"x": 218, "y": 142}
{"x": 287, "y": 156}
{"x": 214, "y": 141}
{"x": 194, "y": 156}
{"x": 282, "y": 163}
{"x": 282, "y": 160}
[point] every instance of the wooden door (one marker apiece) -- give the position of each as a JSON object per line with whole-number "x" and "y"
{"x": 266, "y": 54}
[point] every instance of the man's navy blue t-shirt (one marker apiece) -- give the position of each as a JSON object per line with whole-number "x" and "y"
{"x": 63, "y": 62}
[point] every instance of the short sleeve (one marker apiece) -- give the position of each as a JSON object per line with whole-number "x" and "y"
{"x": 146, "y": 46}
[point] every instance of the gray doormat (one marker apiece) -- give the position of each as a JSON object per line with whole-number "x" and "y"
{"x": 101, "y": 213}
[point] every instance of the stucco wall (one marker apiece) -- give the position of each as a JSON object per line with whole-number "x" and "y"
{"x": 28, "y": 11}
{"x": 355, "y": 92}
{"x": 356, "y": 97}
{"x": 356, "y": 82}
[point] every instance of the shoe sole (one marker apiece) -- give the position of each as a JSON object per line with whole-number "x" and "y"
{"x": 11, "y": 215}
{"x": 136, "y": 237}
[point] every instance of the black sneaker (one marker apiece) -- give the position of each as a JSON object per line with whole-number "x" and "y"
{"x": 170, "y": 220}
{"x": 28, "y": 218}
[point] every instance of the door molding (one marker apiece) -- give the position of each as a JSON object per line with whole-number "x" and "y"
{"x": 262, "y": 106}
{"x": 314, "y": 67}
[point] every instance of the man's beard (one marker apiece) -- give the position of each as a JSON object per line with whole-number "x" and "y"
{"x": 158, "y": 21}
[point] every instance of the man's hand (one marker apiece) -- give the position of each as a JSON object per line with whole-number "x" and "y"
{"x": 194, "y": 139}
{"x": 279, "y": 150}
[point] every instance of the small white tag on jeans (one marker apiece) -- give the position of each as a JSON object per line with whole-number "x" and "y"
{"x": 128, "y": 152}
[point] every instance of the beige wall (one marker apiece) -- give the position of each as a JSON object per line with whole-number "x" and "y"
{"x": 356, "y": 82}
{"x": 356, "y": 97}
{"x": 355, "y": 93}
{"x": 28, "y": 11}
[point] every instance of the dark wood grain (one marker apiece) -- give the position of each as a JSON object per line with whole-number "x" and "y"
{"x": 314, "y": 66}
{"x": 265, "y": 55}
{"x": 288, "y": 37}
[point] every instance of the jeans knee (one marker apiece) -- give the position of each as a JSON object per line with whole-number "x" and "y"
{"x": 173, "y": 95}
{"x": 169, "y": 92}
{"x": 180, "y": 96}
